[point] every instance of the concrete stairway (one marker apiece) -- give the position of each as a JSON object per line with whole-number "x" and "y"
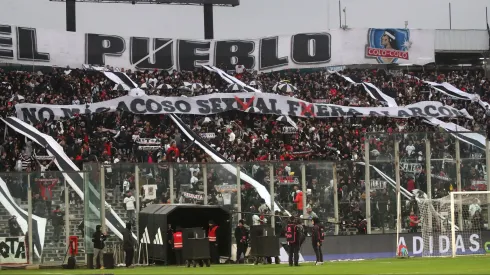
{"x": 54, "y": 253}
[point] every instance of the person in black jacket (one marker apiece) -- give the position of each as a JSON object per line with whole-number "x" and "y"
{"x": 128, "y": 245}
{"x": 98, "y": 238}
{"x": 81, "y": 227}
{"x": 57, "y": 222}
{"x": 293, "y": 241}
{"x": 14, "y": 228}
{"x": 241, "y": 237}
{"x": 317, "y": 240}
{"x": 170, "y": 246}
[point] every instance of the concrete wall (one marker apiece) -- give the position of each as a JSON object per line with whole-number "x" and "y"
{"x": 461, "y": 40}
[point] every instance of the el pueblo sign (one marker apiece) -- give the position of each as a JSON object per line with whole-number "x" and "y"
{"x": 35, "y": 46}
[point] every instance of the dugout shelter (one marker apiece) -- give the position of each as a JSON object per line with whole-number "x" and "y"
{"x": 154, "y": 221}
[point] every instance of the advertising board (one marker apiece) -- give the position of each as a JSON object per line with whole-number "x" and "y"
{"x": 375, "y": 246}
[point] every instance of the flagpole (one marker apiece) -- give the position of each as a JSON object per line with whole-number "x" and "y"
{"x": 340, "y": 15}
{"x": 488, "y": 53}
{"x": 486, "y": 15}
{"x": 450, "y": 17}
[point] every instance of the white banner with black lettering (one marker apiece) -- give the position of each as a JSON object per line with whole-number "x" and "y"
{"x": 13, "y": 250}
{"x": 376, "y": 184}
{"x": 197, "y": 197}
{"x": 47, "y": 47}
{"x": 208, "y": 135}
{"x": 259, "y": 103}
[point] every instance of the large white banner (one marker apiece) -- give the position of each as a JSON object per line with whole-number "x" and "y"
{"x": 260, "y": 103}
{"x": 35, "y": 46}
{"x": 13, "y": 250}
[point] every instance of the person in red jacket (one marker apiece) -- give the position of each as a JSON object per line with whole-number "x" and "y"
{"x": 213, "y": 242}
{"x": 178, "y": 246}
{"x": 298, "y": 199}
{"x": 414, "y": 222}
{"x": 173, "y": 152}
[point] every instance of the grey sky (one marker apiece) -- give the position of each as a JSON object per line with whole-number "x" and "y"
{"x": 253, "y": 18}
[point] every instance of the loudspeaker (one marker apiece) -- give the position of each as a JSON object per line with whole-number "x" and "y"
{"x": 195, "y": 244}
{"x": 72, "y": 263}
{"x": 108, "y": 261}
{"x": 263, "y": 241}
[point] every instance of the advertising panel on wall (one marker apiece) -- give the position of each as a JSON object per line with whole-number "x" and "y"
{"x": 35, "y": 46}
{"x": 375, "y": 246}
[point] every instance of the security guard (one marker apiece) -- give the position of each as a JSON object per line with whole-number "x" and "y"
{"x": 178, "y": 245}
{"x": 293, "y": 241}
{"x": 317, "y": 237}
{"x": 213, "y": 242}
{"x": 301, "y": 232}
{"x": 170, "y": 246}
{"x": 242, "y": 238}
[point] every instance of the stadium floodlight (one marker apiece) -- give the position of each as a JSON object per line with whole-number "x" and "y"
{"x": 207, "y": 4}
{"x": 452, "y": 225}
{"x": 230, "y": 3}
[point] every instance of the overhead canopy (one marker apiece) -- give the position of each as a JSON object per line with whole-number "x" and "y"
{"x": 224, "y": 3}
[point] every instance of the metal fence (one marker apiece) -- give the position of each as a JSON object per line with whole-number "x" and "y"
{"x": 357, "y": 187}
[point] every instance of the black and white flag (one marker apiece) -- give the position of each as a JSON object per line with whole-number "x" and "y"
{"x": 373, "y": 91}
{"x": 287, "y": 119}
{"x": 75, "y": 179}
{"x": 217, "y": 157}
{"x": 377, "y": 94}
{"x": 452, "y": 91}
{"x": 459, "y": 132}
{"x": 231, "y": 79}
{"x": 234, "y": 88}
{"x": 38, "y": 223}
{"x": 88, "y": 67}
{"x": 122, "y": 79}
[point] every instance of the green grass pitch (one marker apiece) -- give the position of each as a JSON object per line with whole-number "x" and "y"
{"x": 460, "y": 265}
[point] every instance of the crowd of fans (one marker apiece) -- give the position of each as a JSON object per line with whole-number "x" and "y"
{"x": 253, "y": 140}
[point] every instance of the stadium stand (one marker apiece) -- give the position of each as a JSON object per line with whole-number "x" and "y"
{"x": 244, "y": 138}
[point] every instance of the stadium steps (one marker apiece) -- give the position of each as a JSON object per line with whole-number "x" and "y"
{"x": 55, "y": 253}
